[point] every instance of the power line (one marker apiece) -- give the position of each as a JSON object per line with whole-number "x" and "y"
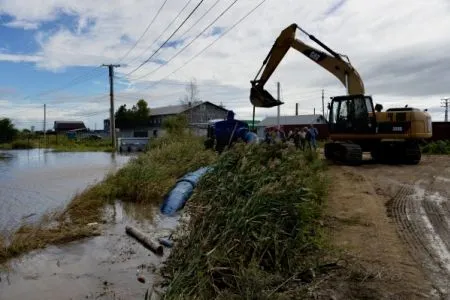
{"x": 73, "y": 82}
{"x": 165, "y": 29}
{"x": 199, "y": 19}
{"x": 145, "y": 31}
{"x": 168, "y": 39}
{"x": 210, "y": 44}
{"x": 193, "y": 40}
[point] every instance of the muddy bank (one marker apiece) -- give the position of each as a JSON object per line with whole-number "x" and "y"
{"x": 102, "y": 267}
{"x": 392, "y": 224}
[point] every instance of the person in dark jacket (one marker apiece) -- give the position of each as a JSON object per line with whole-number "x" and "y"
{"x": 311, "y": 136}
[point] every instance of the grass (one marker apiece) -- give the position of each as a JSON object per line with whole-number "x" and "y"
{"x": 4, "y": 156}
{"x": 62, "y": 226}
{"x": 147, "y": 178}
{"x": 59, "y": 143}
{"x": 254, "y": 231}
{"x": 67, "y": 145}
{"x": 438, "y": 147}
{"x": 144, "y": 179}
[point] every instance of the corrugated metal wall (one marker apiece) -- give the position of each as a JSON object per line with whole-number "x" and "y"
{"x": 441, "y": 131}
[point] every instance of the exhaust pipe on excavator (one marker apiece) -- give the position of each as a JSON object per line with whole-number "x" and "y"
{"x": 261, "y": 98}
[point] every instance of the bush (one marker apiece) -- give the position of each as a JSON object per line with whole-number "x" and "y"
{"x": 438, "y": 147}
{"x": 254, "y": 225}
{"x": 175, "y": 124}
{"x": 21, "y": 144}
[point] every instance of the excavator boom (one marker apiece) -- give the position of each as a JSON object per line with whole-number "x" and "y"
{"x": 332, "y": 62}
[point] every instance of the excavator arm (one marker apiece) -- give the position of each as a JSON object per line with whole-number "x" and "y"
{"x": 332, "y": 62}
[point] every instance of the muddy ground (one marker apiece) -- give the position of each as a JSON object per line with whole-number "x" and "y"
{"x": 393, "y": 224}
{"x": 102, "y": 267}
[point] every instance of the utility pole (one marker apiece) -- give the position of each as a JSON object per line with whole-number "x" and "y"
{"x": 45, "y": 120}
{"x": 112, "y": 120}
{"x": 323, "y": 104}
{"x": 253, "y": 125}
{"x": 278, "y": 107}
{"x": 445, "y": 105}
{"x": 296, "y": 109}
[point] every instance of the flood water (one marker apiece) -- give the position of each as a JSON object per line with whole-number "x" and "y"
{"x": 103, "y": 267}
{"x": 33, "y": 182}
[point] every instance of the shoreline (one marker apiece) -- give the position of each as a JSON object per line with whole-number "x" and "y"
{"x": 158, "y": 169}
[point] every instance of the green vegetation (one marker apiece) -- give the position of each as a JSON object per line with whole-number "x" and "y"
{"x": 254, "y": 231}
{"x": 438, "y": 147}
{"x": 7, "y": 130}
{"x": 138, "y": 115}
{"x": 144, "y": 179}
{"x": 59, "y": 143}
{"x": 147, "y": 178}
{"x": 63, "y": 144}
{"x": 175, "y": 124}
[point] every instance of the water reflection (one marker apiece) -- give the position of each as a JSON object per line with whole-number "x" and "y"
{"x": 35, "y": 181}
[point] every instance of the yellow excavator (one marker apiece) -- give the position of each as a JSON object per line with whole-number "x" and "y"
{"x": 355, "y": 125}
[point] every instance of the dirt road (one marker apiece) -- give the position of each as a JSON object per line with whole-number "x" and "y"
{"x": 394, "y": 224}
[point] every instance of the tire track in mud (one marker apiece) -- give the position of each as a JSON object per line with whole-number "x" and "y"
{"x": 423, "y": 226}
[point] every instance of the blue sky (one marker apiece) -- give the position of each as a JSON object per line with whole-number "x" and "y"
{"x": 29, "y": 80}
{"x": 46, "y": 45}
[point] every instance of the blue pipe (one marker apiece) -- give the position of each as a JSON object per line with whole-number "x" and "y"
{"x": 182, "y": 191}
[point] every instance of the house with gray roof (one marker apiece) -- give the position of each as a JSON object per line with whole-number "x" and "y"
{"x": 197, "y": 114}
{"x": 64, "y": 126}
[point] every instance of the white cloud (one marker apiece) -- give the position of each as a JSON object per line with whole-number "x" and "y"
{"x": 395, "y": 45}
{"x": 19, "y": 57}
{"x": 26, "y": 25}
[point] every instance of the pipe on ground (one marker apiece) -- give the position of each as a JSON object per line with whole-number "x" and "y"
{"x": 182, "y": 191}
{"x": 146, "y": 241}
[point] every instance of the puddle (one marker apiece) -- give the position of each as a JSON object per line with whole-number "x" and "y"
{"x": 103, "y": 267}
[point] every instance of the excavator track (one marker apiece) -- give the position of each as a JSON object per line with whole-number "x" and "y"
{"x": 412, "y": 153}
{"x": 347, "y": 153}
{"x": 398, "y": 152}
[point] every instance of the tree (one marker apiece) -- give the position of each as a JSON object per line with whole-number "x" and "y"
{"x": 192, "y": 94}
{"x": 175, "y": 124}
{"x": 137, "y": 116}
{"x": 143, "y": 112}
{"x": 7, "y": 130}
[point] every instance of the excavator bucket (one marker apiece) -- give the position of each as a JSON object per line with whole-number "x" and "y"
{"x": 262, "y": 98}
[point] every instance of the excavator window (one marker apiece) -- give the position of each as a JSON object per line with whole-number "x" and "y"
{"x": 352, "y": 114}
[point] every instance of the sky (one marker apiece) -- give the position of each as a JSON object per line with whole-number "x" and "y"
{"x": 52, "y": 52}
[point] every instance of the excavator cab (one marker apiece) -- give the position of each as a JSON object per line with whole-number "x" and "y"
{"x": 352, "y": 114}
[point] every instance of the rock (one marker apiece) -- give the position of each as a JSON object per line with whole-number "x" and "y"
{"x": 165, "y": 242}
{"x": 308, "y": 275}
{"x": 141, "y": 279}
{"x": 92, "y": 224}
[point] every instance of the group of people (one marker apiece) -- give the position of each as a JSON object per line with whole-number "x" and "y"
{"x": 306, "y": 136}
